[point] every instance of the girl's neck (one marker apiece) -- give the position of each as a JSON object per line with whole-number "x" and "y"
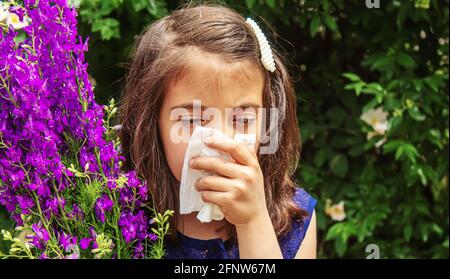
{"x": 189, "y": 225}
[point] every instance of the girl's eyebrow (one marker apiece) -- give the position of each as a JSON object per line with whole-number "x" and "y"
{"x": 187, "y": 106}
{"x": 202, "y": 107}
{"x": 249, "y": 105}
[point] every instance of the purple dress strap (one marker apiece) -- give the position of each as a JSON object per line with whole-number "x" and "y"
{"x": 290, "y": 242}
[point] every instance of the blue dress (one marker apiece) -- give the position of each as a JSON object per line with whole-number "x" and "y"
{"x": 192, "y": 248}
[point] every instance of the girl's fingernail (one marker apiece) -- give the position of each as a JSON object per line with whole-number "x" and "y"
{"x": 209, "y": 140}
{"x": 191, "y": 162}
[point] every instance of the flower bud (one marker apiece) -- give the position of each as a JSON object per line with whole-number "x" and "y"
{"x": 14, "y": 250}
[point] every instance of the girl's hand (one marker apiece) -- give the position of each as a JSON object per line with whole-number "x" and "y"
{"x": 239, "y": 190}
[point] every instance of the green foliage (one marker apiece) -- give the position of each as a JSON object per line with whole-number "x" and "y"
{"x": 5, "y": 223}
{"x": 353, "y": 60}
{"x": 347, "y": 60}
{"x": 161, "y": 220}
{"x": 111, "y": 26}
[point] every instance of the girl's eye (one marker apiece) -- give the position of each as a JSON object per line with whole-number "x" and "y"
{"x": 245, "y": 119}
{"x": 191, "y": 120}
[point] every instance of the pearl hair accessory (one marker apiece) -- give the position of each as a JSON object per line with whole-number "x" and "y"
{"x": 266, "y": 51}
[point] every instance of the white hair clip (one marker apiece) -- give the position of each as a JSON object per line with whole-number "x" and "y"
{"x": 266, "y": 51}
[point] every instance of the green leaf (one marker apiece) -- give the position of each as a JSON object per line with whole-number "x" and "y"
{"x": 393, "y": 123}
{"x": 405, "y": 60}
{"x": 434, "y": 82}
{"x": 382, "y": 64}
{"x": 415, "y": 114}
{"x": 314, "y": 25}
{"x": 399, "y": 152}
{"x": 391, "y": 146}
{"x": 342, "y": 141}
{"x": 320, "y": 157}
{"x": 139, "y": 5}
{"x": 250, "y": 3}
{"x": 340, "y": 246}
{"x": 356, "y": 150}
{"x": 325, "y": 5}
{"x": 423, "y": 228}
{"x": 370, "y": 105}
{"x": 339, "y": 165}
{"x": 401, "y": 148}
{"x": 157, "y": 8}
{"x": 352, "y": 77}
{"x": 108, "y": 27}
{"x": 410, "y": 152}
{"x": 373, "y": 88}
{"x": 97, "y": 25}
{"x": 334, "y": 231}
{"x": 107, "y": 33}
{"x": 271, "y": 3}
{"x": 357, "y": 87}
{"x": 111, "y": 22}
{"x": 437, "y": 229}
{"x": 330, "y": 22}
{"x": 407, "y": 232}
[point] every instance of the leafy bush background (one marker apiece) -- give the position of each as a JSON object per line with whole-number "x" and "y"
{"x": 346, "y": 59}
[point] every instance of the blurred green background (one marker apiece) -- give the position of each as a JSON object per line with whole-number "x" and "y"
{"x": 373, "y": 105}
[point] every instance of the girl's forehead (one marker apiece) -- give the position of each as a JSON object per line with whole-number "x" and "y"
{"x": 217, "y": 83}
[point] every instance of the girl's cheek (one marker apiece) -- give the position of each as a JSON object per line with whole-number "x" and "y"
{"x": 175, "y": 157}
{"x": 173, "y": 151}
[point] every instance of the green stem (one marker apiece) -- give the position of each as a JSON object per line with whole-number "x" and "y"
{"x": 63, "y": 216}
{"x": 9, "y": 92}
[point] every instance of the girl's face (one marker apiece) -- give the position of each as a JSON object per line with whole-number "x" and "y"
{"x": 232, "y": 90}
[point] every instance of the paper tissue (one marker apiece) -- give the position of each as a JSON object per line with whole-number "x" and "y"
{"x": 190, "y": 198}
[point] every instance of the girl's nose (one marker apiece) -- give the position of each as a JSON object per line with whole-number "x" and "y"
{"x": 222, "y": 125}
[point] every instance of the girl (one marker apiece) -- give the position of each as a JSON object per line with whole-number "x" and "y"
{"x": 211, "y": 54}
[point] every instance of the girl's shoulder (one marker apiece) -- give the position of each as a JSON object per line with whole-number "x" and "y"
{"x": 290, "y": 242}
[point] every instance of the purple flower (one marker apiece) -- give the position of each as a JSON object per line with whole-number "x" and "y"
{"x": 93, "y": 237}
{"x": 49, "y": 119}
{"x": 103, "y": 205}
{"x": 128, "y": 227}
{"x": 139, "y": 251}
{"x": 41, "y": 236}
{"x": 66, "y": 240}
{"x": 53, "y": 204}
{"x": 25, "y": 203}
{"x": 85, "y": 242}
{"x": 76, "y": 213}
{"x": 152, "y": 236}
{"x": 134, "y": 226}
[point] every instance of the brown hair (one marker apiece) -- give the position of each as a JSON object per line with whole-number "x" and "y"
{"x": 157, "y": 57}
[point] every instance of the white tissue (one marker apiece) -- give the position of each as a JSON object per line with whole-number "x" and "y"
{"x": 190, "y": 199}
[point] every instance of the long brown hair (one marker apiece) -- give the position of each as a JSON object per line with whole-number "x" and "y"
{"x": 156, "y": 60}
